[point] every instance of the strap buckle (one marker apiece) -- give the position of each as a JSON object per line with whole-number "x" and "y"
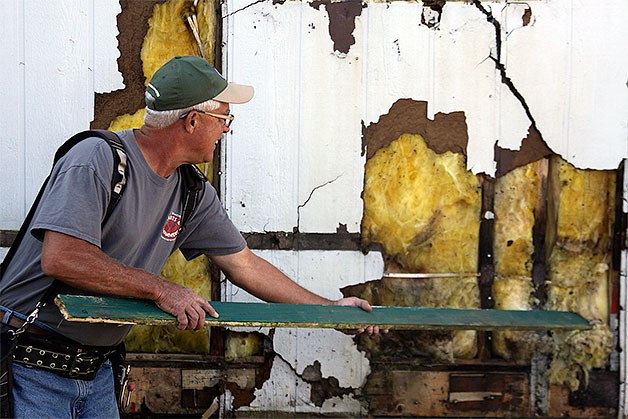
{"x": 29, "y": 321}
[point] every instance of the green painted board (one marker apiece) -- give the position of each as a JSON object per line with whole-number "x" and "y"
{"x": 123, "y": 310}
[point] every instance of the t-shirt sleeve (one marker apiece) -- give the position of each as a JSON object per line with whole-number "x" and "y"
{"x": 211, "y": 232}
{"x": 75, "y": 198}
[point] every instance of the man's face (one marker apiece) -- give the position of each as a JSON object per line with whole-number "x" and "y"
{"x": 209, "y": 130}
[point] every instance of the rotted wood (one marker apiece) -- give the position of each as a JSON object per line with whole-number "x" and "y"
{"x": 129, "y": 311}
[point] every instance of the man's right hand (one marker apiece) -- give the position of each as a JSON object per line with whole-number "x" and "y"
{"x": 187, "y": 306}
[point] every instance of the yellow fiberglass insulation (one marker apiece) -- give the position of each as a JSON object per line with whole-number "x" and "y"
{"x": 424, "y": 209}
{"x": 169, "y": 36}
{"x": 240, "y": 345}
{"x": 578, "y": 267}
{"x": 515, "y": 199}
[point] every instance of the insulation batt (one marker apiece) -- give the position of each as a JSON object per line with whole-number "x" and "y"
{"x": 167, "y": 37}
{"x": 578, "y": 267}
{"x": 424, "y": 209}
{"x": 516, "y": 197}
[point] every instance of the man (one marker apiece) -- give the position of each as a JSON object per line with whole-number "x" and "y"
{"x": 188, "y": 110}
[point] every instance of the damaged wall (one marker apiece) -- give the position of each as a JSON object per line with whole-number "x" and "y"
{"x": 295, "y": 159}
{"x": 394, "y": 57}
{"x": 467, "y": 59}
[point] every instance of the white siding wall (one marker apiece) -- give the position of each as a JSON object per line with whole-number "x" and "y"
{"x": 47, "y": 86}
{"x": 302, "y": 131}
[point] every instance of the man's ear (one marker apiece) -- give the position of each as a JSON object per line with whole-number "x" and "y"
{"x": 190, "y": 125}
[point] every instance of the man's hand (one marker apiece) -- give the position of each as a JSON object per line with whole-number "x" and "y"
{"x": 364, "y": 305}
{"x": 187, "y": 306}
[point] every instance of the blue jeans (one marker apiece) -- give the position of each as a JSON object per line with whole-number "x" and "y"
{"x": 39, "y": 393}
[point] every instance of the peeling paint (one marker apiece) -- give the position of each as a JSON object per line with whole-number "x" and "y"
{"x": 342, "y": 17}
{"x": 527, "y": 16}
{"x": 322, "y": 388}
{"x": 243, "y": 346}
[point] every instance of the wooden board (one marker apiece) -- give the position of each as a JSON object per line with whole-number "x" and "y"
{"x": 122, "y": 310}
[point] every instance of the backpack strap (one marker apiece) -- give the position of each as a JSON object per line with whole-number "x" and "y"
{"x": 192, "y": 181}
{"x": 118, "y": 182}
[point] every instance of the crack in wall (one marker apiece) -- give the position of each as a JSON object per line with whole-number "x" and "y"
{"x": 243, "y": 8}
{"x": 502, "y": 68}
{"x": 321, "y": 389}
{"x": 296, "y": 229}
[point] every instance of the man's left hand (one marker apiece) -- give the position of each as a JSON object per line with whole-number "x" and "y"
{"x": 364, "y": 305}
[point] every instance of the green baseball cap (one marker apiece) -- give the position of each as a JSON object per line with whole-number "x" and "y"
{"x": 186, "y": 81}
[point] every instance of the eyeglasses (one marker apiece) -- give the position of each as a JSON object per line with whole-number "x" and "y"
{"x": 228, "y": 119}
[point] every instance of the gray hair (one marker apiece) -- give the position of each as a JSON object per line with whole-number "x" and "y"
{"x": 163, "y": 119}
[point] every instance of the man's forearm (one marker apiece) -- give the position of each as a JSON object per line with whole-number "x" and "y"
{"x": 83, "y": 265}
{"x": 258, "y": 277}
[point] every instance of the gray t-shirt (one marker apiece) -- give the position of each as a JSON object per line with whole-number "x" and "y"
{"x": 141, "y": 232}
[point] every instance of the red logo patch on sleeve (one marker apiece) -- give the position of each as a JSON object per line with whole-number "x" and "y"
{"x": 172, "y": 227}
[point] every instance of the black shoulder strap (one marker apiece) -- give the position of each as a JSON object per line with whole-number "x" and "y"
{"x": 118, "y": 182}
{"x": 192, "y": 180}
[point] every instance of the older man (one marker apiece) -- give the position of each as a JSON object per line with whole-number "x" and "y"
{"x": 188, "y": 110}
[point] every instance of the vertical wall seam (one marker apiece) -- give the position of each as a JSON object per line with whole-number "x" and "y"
{"x": 298, "y": 189}
{"x": 567, "y": 122}
{"x": 91, "y": 66}
{"x": 21, "y": 110}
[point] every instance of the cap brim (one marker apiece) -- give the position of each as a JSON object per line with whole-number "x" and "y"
{"x": 235, "y": 93}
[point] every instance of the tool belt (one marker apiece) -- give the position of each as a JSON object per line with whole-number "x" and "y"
{"x": 61, "y": 355}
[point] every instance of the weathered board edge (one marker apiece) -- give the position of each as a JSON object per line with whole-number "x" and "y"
{"x": 572, "y": 322}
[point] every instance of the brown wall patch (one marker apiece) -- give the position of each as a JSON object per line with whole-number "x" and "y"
{"x": 341, "y": 21}
{"x": 447, "y": 132}
{"x": 132, "y": 27}
{"x": 533, "y": 148}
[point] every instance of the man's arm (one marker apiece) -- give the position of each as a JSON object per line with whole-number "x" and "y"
{"x": 83, "y": 265}
{"x": 258, "y": 277}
